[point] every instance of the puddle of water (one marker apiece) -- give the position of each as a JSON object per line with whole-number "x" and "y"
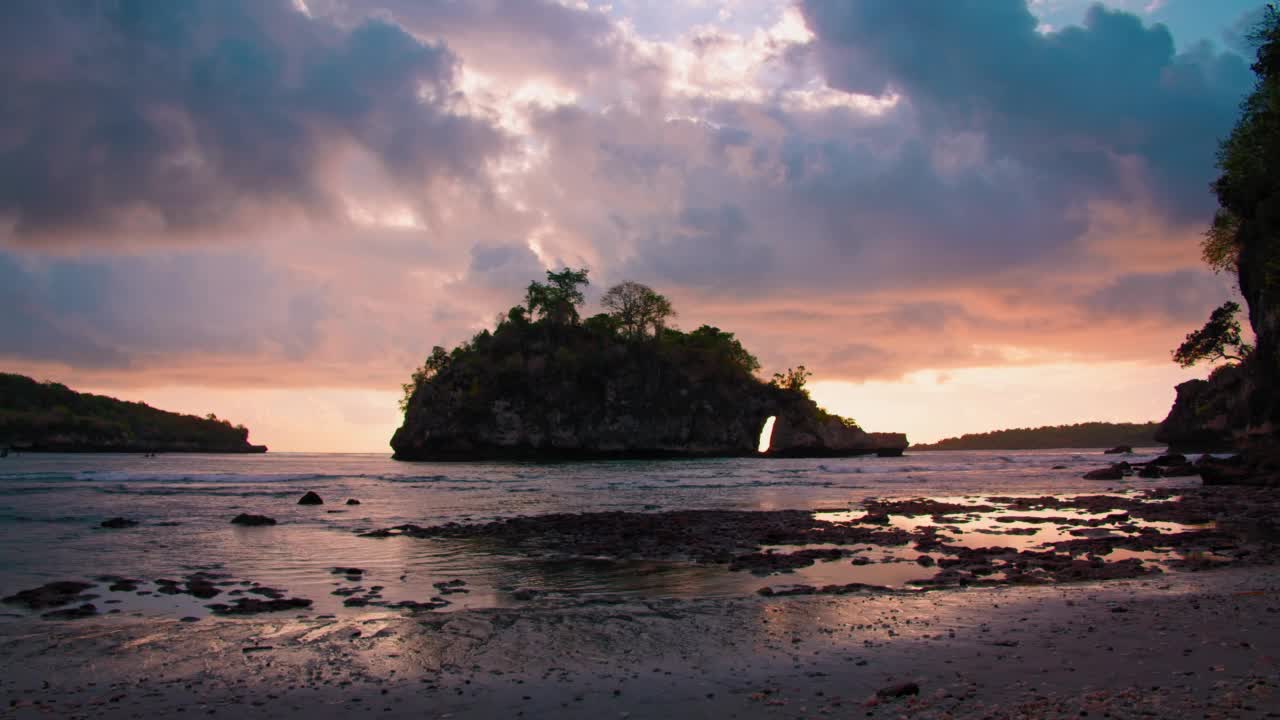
{"x": 843, "y": 572}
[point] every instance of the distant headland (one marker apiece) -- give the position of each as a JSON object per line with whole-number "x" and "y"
{"x": 1048, "y": 437}
{"x": 50, "y": 417}
{"x": 546, "y": 384}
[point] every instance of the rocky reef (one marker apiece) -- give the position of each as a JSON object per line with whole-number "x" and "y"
{"x": 552, "y": 391}
{"x": 49, "y": 417}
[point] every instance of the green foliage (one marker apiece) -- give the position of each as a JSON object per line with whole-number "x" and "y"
{"x": 1219, "y": 248}
{"x": 624, "y": 359}
{"x": 793, "y": 379}
{"x": 713, "y": 347}
{"x": 637, "y": 308}
{"x": 1245, "y": 234}
{"x": 522, "y": 358}
{"x": 1081, "y": 435}
{"x": 438, "y": 360}
{"x": 602, "y": 324}
{"x": 1219, "y": 339}
{"x": 558, "y": 299}
{"x": 31, "y": 413}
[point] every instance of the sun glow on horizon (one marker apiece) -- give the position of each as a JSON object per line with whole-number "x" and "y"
{"x": 927, "y": 405}
{"x": 930, "y": 405}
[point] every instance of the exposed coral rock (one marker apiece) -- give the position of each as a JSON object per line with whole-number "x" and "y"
{"x": 252, "y": 520}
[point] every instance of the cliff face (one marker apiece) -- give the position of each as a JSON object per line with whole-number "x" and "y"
{"x": 1238, "y": 406}
{"x": 575, "y": 395}
{"x": 800, "y": 432}
{"x": 47, "y": 417}
{"x": 1208, "y": 414}
{"x": 1258, "y": 277}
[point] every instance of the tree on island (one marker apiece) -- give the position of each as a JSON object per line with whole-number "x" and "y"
{"x": 1245, "y": 227}
{"x": 792, "y": 379}
{"x": 1219, "y": 339}
{"x": 543, "y": 383}
{"x": 637, "y": 308}
{"x": 547, "y": 333}
{"x": 435, "y": 362}
{"x": 558, "y": 299}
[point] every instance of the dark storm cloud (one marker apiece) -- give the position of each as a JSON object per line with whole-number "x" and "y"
{"x": 121, "y": 311}
{"x": 33, "y": 328}
{"x": 128, "y": 115}
{"x": 1074, "y": 100}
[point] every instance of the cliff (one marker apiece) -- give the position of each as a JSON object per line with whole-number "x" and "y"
{"x": 48, "y": 417}
{"x": 544, "y": 390}
{"x": 1209, "y": 415}
{"x": 1239, "y": 405}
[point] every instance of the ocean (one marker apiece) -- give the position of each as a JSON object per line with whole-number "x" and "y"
{"x": 51, "y": 507}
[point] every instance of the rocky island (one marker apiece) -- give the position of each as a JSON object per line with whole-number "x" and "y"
{"x": 50, "y": 417}
{"x": 545, "y": 384}
{"x": 1048, "y": 437}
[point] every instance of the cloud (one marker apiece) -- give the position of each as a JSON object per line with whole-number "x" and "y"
{"x": 1079, "y": 100}
{"x": 522, "y": 37}
{"x": 158, "y": 119}
{"x": 246, "y": 192}
{"x": 125, "y": 311}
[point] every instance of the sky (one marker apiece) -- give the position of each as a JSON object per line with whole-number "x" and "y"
{"x": 961, "y": 216}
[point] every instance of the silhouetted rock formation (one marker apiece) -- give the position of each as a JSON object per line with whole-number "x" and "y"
{"x": 1240, "y": 405}
{"x": 545, "y": 391}
{"x": 310, "y": 498}
{"x": 249, "y": 520}
{"x": 1209, "y": 414}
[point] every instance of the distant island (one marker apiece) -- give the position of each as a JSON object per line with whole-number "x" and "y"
{"x": 50, "y": 417}
{"x": 1080, "y": 435}
{"x": 546, "y": 384}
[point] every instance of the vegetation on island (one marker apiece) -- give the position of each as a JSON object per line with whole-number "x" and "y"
{"x": 49, "y": 416}
{"x": 1049, "y": 437}
{"x": 1244, "y": 237}
{"x": 548, "y": 383}
{"x": 549, "y": 325}
{"x": 1239, "y": 404}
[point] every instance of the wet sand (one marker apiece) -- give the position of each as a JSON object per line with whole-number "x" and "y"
{"x": 1200, "y": 644}
{"x": 1155, "y": 603}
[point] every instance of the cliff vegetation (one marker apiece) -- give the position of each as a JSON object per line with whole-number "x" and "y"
{"x": 1079, "y": 435}
{"x": 1239, "y": 404}
{"x": 50, "y": 417}
{"x": 546, "y": 383}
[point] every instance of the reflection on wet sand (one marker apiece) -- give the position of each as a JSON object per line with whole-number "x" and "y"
{"x": 607, "y": 557}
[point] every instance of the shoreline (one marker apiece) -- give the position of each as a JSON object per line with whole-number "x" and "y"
{"x": 1184, "y": 644}
{"x": 1156, "y": 600}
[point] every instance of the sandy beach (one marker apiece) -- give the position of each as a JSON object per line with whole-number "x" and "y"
{"x": 1181, "y": 645}
{"x": 1150, "y": 600}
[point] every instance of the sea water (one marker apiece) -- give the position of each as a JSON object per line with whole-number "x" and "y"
{"x": 51, "y": 507}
